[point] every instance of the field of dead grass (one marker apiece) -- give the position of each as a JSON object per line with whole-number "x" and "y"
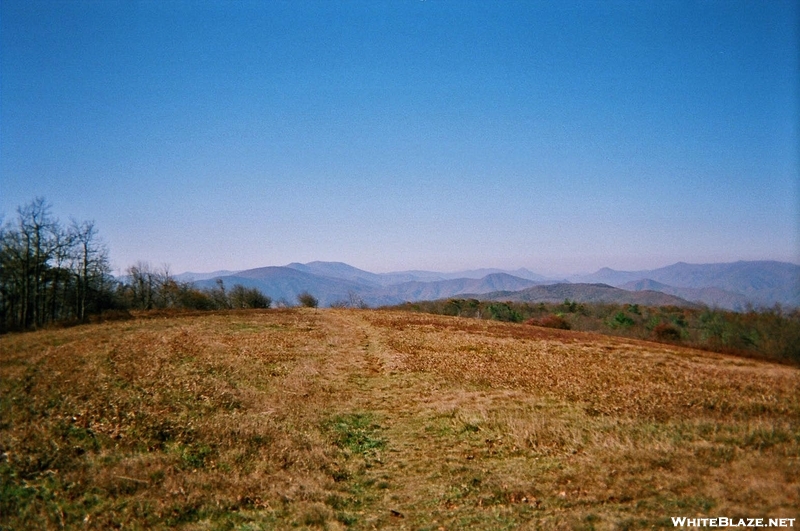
{"x": 360, "y": 419}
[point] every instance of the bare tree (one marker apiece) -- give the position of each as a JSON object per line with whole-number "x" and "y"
{"x": 60, "y": 275}
{"x": 356, "y": 301}
{"x": 48, "y": 273}
{"x": 167, "y": 289}
{"x": 143, "y": 285}
{"x": 34, "y": 249}
{"x": 90, "y": 264}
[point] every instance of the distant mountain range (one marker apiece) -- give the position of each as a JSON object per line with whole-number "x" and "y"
{"x": 334, "y": 282}
{"x": 715, "y": 297}
{"x": 732, "y": 286}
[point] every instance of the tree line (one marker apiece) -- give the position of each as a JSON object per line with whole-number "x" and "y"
{"x": 50, "y": 272}
{"x": 148, "y": 288}
{"x": 56, "y": 273}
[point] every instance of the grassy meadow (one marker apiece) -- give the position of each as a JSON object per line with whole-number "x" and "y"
{"x": 364, "y": 419}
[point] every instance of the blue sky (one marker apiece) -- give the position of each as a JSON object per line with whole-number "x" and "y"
{"x": 408, "y": 134}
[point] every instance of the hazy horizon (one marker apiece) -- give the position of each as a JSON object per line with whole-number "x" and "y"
{"x": 550, "y": 274}
{"x": 435, "y": 135}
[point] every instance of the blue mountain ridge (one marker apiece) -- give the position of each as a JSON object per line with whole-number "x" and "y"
{"x": 726, "y": 285}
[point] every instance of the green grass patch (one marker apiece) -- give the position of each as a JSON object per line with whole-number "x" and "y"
{"x": 356, "y": 433}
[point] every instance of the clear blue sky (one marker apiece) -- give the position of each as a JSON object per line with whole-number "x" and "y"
{"x": 434, "y": 134}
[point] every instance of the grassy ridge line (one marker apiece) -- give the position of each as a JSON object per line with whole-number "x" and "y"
{"x": 339, "y": 419}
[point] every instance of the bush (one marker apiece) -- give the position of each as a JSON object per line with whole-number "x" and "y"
{"x": 307, "y": 300}
{"x": 621, "y": 320}
{"x": 502, "y": 311}
{"x": 241, "y": 297}
{"x": 195, "y": 299}
{"x": 453, "y": 307}
{"x": 570, "y": 306}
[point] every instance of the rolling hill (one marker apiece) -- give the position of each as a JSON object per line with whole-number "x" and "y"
{"x": 602, "y": 293}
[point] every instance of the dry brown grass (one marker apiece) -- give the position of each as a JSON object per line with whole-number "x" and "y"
{"x": 334, "y": 419}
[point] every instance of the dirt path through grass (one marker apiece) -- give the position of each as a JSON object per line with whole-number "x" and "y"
{"x": 434, "y": 437}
